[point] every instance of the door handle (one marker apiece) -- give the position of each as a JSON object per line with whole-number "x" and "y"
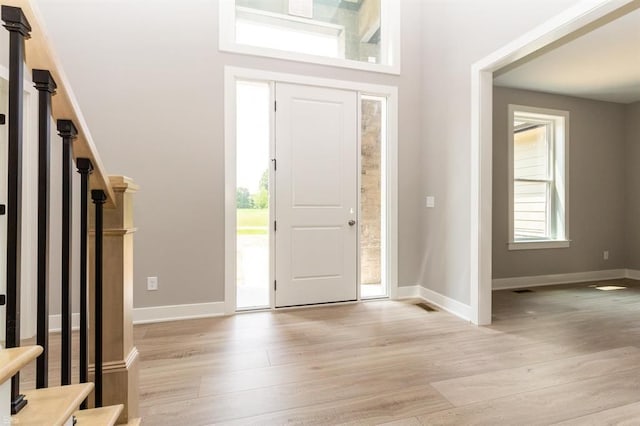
{"x": 352, "y": 222}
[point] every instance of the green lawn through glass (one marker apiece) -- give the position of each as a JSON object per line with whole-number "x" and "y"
{"x": 252, "y": 221}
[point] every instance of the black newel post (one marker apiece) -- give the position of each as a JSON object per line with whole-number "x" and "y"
{"x": 68, "y": 132}
{"x": 46, "y": 88}
{"x": 99, "y": 198}
{"x": 18, "y": 26}
{"x": 84, "y": 168}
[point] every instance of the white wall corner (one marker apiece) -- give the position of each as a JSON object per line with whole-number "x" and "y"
{"x": 574, "y": 277}
{"x": 177, "y": 312}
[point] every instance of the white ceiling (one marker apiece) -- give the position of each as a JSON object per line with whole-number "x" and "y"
{"x": 603, "y": 64}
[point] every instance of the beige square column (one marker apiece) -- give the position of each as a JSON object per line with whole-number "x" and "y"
{"x": 120, "y": 356}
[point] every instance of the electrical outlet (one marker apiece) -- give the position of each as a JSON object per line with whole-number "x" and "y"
{"x": 605, "y": 255}
{"x": 152, "y": 283}
{"x": 431, "y": 201}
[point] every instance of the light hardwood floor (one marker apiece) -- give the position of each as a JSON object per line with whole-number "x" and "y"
{"x": 559, "y": 355}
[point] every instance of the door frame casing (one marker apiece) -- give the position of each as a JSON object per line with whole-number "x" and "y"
{"x": 233, "y": 74}
{"x": 582, "y": 16}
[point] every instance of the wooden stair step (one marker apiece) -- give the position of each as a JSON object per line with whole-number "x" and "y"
{"x": 52, "y": 406}
{"x": 13, "y": 359}
{"x": 103, "y": 416}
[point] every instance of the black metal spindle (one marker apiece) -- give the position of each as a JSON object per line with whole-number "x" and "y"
{"x": 18, "y": 26}
{"x": 68, "y": 132}
{"x": 99, "y": 198}
{"x": 84, "y": 168}
{"x": 46, "y": 86}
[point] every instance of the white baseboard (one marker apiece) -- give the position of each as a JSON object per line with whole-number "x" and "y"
{"x": 177, "y": 312}
{"x": 574, "y": 277}
{"x": 445, "y": 303}
{"x": 633, "y": 274}
{"x": 55, "y": 322}
{"x": 408, "y": 291}
{"x": 153, "y": 314}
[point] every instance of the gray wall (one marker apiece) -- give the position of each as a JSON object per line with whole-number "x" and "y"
{"x": 457, "y": 33}
{"x": 596, "y": 187}
{"x": 167, "y": 132}
{"x": 632, "y": 173}
{"x": 149, "y": 78}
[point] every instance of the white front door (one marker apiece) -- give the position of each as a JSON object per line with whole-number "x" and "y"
{"x": 316, "y": 195}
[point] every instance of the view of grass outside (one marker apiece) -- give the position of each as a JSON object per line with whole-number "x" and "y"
{"x": 253, "y": 129}
{"x": 253, "y": 221}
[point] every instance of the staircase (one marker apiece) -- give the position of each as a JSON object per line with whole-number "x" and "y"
{"x": 50, "y": 406}
{"x": 112, "y": 396}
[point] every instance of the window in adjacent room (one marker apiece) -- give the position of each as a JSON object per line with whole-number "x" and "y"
{"x": 362, "y": 34}
{"x": 538, "y": 172}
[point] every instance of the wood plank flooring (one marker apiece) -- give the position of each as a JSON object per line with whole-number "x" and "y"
{"x": 565, "y": 355}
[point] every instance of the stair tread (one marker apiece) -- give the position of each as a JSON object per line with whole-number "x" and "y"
{"x": 13, "y": 359}
{"x": 99, "y": 416}
{"x": 52, "y": 406}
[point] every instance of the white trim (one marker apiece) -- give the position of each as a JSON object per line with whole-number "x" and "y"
{"x": 553, "y": 279}
{"x": 408, "y": 292}
{"x": 390, "y": 24}
{"x": 232, "y": 74}
{"x": 55, "y": 322}
{"x": 535, "y": 245}
{"x": 230, "y": 243}
{"x": 558, "y": 214}
{"x": 445, "y": 303}
{"x": 448, "y": 304}
{"x": 177, "y": 312}
{"x": 583, "y": 14}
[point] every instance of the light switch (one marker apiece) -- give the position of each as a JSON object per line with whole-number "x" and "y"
{"x": 431, "y": 201}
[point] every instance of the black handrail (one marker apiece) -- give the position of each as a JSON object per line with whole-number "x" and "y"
{"x": 46, "y": 86}
{"x": 18, "y": 26}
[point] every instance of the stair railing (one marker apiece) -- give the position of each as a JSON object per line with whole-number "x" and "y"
{"x": 75, "y": 140}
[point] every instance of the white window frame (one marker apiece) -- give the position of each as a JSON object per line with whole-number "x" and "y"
{"x": 389, "y": 41}
{"x": 559, "y": 157}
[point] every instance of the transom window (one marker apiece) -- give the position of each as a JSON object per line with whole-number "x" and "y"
{"x": 538, "y": 185}
{"x": 361, "y": 34}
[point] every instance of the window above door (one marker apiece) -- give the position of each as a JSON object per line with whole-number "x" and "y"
{"x": 358, "y": 34}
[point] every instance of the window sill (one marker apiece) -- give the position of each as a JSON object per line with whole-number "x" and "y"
{"x": 540, "y": 244}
